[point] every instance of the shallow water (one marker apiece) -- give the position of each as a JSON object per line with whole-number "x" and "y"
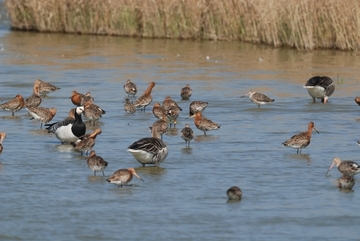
{"x": 48, "y": 192}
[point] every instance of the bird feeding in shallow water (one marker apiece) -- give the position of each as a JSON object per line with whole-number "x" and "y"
{"x": 350, "y": 168}
{"x": 234, "y": 193}
{"x": 123, "y": 177}
{"x": 203, "y": 123}
{"x": 258, "y": 98}
{"x": 320, "y": 87}
{"x": 301, "y": 140}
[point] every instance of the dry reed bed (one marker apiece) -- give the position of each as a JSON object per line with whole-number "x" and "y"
{"x": 303, "y": 24}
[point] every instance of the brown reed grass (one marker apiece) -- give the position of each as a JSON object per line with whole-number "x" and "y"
{"x": 303, "y": 24}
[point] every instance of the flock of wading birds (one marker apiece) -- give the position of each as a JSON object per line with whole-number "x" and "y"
{"x": 153, "y": 150}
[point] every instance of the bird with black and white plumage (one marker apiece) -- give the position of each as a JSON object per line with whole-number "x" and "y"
{"x": 320, "y": 87}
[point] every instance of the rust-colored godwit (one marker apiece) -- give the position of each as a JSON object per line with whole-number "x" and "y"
{"x": 258, "y": 98}
{"x": 349, "y": 168}
{"x": 203, "y": 123}
{"x": 14, "y": 105}
{"x": 96, "y": 163}
{"x": 87, "y": 142}
{"x": 123, "y": 176}
{"x": 34, "y": 100}
{"x": 79, "y": 99}
{"x": 146, "y": 98}
{"x": 320, "y": 87}
{"x": 186, "y": 92}
{"x": 301, "y": 140}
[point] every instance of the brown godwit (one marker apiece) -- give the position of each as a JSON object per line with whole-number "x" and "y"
{"x": 34, "y": 100}
{"x": 14, "y": 105}
{"x": 158, "y": 111}
{"x": 123, "y": 176}
{"x": 349, "y": 168}
{"x": 186, "y": 92}
{"x": 346, "y": 181}
{"x": 130, "y": 88}
{"x": 2, "y": 137}
{"x": 146, "y": 98}
{"x": 129, "y": 106}
{"x": 301, "y": 140}
{"x": 203, "y": 123}
{"x": 92, "y": 112}
{"x": 197, "y": 106}
{"x": 86, "y": 142}
{"x": 45, "y": 87}
{"x": 42, "y": 114}
{"x": 96, "y": 163}
{"x": 187, "y": 134}
{"x": 258, "y": 98}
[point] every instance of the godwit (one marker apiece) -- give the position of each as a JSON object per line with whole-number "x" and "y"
{"x": 302, "y": 139}
{"x": 92, "y": 112}
{"x": 42, "y": 114}
{"x": 2, "y": 137}
{"x": 96, "y": 163}
{"x": 186, "y": 92}
{"x": 130, "y": 88}
{"x": 45, "y": 87}
{"x": 204, "y": 124}
{"x": 158, "y": 111}
{"x": 349, "y": 168}
{"x": 146, "y": 98}
{"x": 172, "y": 114}
{"x": 150, "y": 150}
{"x": 79, "y": 99}
{"x": 129, "y": 106}
{"x": 320, "y": 87}
{"x": 14, "y": 105}
{"x": 168, "y": 102}
{"x": 197, "y": 106}
{"x": 68, "y": 130}
{"x": 86, "y": 142}
{"x": 187, "y": 134}
{"x": 234, "y": 193}
{"x": 346, "y": 181}
{"x": 258, "y": 98}
{"x": 123, "y": 177}
{"x": 34, "y": 100}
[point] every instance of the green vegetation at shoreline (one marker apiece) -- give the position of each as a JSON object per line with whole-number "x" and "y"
{"x": 302, "y": 24}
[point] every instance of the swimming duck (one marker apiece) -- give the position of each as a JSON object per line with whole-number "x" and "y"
{"x": 320, "y": 87}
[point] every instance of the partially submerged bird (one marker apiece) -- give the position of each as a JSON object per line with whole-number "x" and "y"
{"x": 203, "y": 123}
{"x": 129, "y": 106}
{"x": 187, "y": 134}
{"x": 45, "y": 87}
{"x": 349, "y": 168}
{"x": 123, "y": 176}
{"x": 2, "y": 137}
{"x": 34, "y": 100}
{"x": 345, "y": 182}
{"x": 14, "y": 105}
{"x": 96, "y": 163}
{"x": 146, "y": 98}
{"x": 69, "y": 130}
{"x": 197, "y": 106}
{"x": 301, "y": 140}
{"x": 320, "y": 87}
{"x": 234, "y": 193}
{"x": 130, "y": 88}
{"x": 150, "y": 150}
{"x": 258, "y": 98}
{"x": 186, "y": 92}
{"x": 86, "y": 142}
{"x": 42, "y": 114}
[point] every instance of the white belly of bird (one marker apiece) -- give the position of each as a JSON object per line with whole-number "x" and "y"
{"x": 65, "y": 134}
{"x": 316, "y": 91}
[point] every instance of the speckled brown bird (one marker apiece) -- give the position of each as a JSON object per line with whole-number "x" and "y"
{"x": 301, "y": 140}
{"x": 146, "y": 98}
{"x": 96, "y": 163}
{"x": 45, "y": 87}
{"x": 123, "y": 176}
{"x": 14, "y": 105}
{"x": 34, "y": 100}
{"x": 42, "y": 114}
{"x": 87, "y": 142}
{"x": 203, "y": 123}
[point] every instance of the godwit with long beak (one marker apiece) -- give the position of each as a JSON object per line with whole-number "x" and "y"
{"x": 234, "y": 193}
{"x": 320, "y": 87}
{"x": 258, "y": 98}
{"x": 123, "y": 177}
{"x": 96, "y": 163}
{"x": 349, "y": 168}
{"x": 2, "y": 137}
{"x": 42, "y": 114}
{"x": 14, "y": 105}
{"x": 130, "y": 88}
{"x": 186, "y": 92}
{"x": 150, "y": 150}
{"x": 146, "y": 98}
{"x": 34, "y": 100}
{"x": 203, "y": 123}
{"x": 302, "y": 139}
{"x": 45, "y": 87}
{"x": 86, "y": 142}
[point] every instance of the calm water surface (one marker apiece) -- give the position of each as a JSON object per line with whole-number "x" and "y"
{"x": 47, "y": 191}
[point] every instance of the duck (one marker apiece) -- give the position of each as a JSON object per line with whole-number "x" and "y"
{"x": 14, "y": 105}
{"x": 349, "y": 168}
{"x": 2, "y": 137}
{"x": 86, "y": 142}
{"x": 79, "y": 99}
{"x": 320, "y": 87}
{"x": 203, "y": 123}
{"x": 186, "y": 92}
{"x": 69, "y": 130}
{"x": 129, "y": 106}
{"x": 42, "y": 114}
{"x": 187, "y": 134}
{"x": 123, "y": 177}
{"x": 34, "y": 100}
{"x": 150, "y": 150}
{"x": 345, "y": 182}
{"x": 158, "y": 111}
{"x": 45, "y": 87}
{"x": 301, "y": 140}
{"x": 197, "y": 106}
{"x": 145, "y": 99}
{"x": 234, "y": 193}
{"x": 92, "y": 112}
{"x": 258, "y": 98}
{"x": 130, "y": 88}
{"x": 96, "y": 163}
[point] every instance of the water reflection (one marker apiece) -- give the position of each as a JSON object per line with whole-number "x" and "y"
{"x": 187, "y": 150}
{"x": 301, "y": 157}
{"x": 151, "y": 170}
{"x": 207, "y": 138}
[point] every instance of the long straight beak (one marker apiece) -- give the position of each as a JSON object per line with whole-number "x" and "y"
{"x": 136, "y": 175}
{"x": 316, "y": 130}
{"x": 330, "y": 168}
